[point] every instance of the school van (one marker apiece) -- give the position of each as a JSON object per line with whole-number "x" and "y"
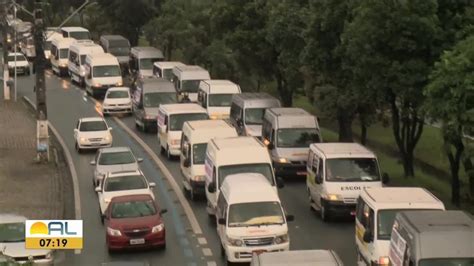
{"x": 78, "y": 33}
{"x": 375, "y": 214}
{"x": 250, "y": 218}
{"x": 186, "y": 80}
{"x": 288, "y": 132}
{"x": 432, "y": 238}
{"x": 170, "y": 120}
{"x": 149, "y": 94}
{"x": 164, "y": 69}
{"x": 102, "y": 72}
{"x": 196, "y": 135}
{"x": 141, "y": 61}
{"x": 117, "y": 45}
{"x": 216, "y": 96}
{"x": 297, "y": 258}
{"x": 49, "y": 37}
{"x": 247, "y": 111}
{"x": 337, "y": 173}
{"x": 60, "y": 55}
{"x": 78, "y": 52}
{"x": 226, "y": 156}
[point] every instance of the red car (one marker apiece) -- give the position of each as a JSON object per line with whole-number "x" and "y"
{"x": 134, "y": 221}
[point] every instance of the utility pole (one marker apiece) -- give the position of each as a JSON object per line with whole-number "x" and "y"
{"x": 40, "y": 88}
{"x": 4, "y": 28}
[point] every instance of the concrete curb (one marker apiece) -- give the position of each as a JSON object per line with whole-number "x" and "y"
{"x": 71, "y": 166}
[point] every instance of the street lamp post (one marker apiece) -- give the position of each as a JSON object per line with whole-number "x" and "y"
{"x": 15, "y": 50}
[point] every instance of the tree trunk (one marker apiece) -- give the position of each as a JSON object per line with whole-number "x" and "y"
{"x": 363, "y": 128}
{"x": 344, "y": 119}
{"x": 286, "y": 94}
{"x": 454, "y": 162}
{"x": 468, "y": 167}
{"x": 407, "y": 129}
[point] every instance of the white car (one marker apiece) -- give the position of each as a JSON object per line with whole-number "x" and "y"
{"x": 92, "y": 133}
{"x": 22, "y": 65}
{"x": 117, "y": 101}
{"x": 113, "y": 159}
{"x": 12, "y": 243}
{"x": 122, "y": 184}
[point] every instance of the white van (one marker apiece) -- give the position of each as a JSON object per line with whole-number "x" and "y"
{"x": 250, "y": 218}
{"x": 49, "y": 37}
{"x": 375, "y": 214}
{"x": 186, "y": 80}
{"x": 102, "y": 72}
{"x": 78, "y": 33}
{"x": 170, "y": 120}
{"x": 337, "y": 173}
{"x": 288, "y": 132}
{"x": 233, "y": 156}
{"x": 216, "y": 96}
{"x": 60, "y": 54}
{"x": 77, "y": 58}
{"x": 164, "y": 69}
{"x": 297, "y": 258}
{"x": 196, "y": 135}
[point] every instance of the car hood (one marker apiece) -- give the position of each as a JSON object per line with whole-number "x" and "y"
{"x": 254, "y": 130}
{"x": 116, "y": 168}
{"x": 93, "y": 134}
{"x": 146, "y": 72}
{"x": 293, "y": 154}
{"x": 118, "y": 101}
{"x": 112, "y": 80}
{"x": 257, "y": 231}
{"x": 122, "y": 59}
{"x": 151, "y": 111}
{"x": 18, "y": 63}
{"x": 135, "y": 223}
{"x": 18, "y": 250}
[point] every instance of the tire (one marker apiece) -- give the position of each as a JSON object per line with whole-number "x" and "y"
{"x": 168, "y": 154}
{"x": 311, "y": 201}
{"x": 101, "y": 217}
{"x": 163, "y": 247}
{"x": 79, "y": 150}
{"x": 192, "y": 194}
{"x": 28, "y": 72}
{"x": 162, "y": 150}
{"x": 222, "y": 251}
{"x": 324, "y": 212}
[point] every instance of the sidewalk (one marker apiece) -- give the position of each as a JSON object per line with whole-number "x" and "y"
{"x": 27, "y": 188}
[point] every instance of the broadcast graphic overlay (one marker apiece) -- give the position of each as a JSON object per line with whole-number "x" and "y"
{"x": 53, "y": 234}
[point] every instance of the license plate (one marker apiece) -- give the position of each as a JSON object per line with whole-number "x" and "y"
{"x": 301, "y": 173}
{"x": 353, "y": 213}
{"x": 259, "y": 251}
{"x": 137, "y": 241}
{"x": 95, "y": 143}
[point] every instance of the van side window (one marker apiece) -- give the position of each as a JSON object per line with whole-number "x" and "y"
{"x": 320, "y": 167}
{"x": 266, "y": 129}
{"x": 184, "y": 139}
{"x": 214, "y": 174}
{"x": 235, "y": 112}
{"x": 309, "y": 162}
{"x": 176, "y": 82}
{"x": 221, "y": 206}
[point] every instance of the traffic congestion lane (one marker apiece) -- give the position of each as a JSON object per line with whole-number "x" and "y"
{"x": 67, "y": 104}
{"x": 306, "y": 232}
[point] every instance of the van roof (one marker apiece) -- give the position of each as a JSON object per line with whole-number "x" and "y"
{"x": 102, "y": 59}
{"x": 342, "y": 150}
{"x": 86, "y": 47}
{"x": 191, "y": 72}
{"x": 248, "y": 187}
{"x": 220, "y": 86}
{"x": 237, "y": 143}
{"x": 147, "y": 52}
{"x": 155, "y": 84}
{"x": 74, "y": 29}
{"x": 168, "y": 64}
{"x": 287, "y": 111}
{"x": 205, "y": 130}
{"x": 300, "y": 258}
{"x": 62, "y": 43}
{"x": 53, "y": 35}
{"x": 113, "y": 37}
{"x": 255, "y": 99}
{"x": 180, "y": 108}
{"x": 238, "y": 150}
{"x": 444, "y": 233}
{"x": 290, "y": 117}
{"x": 401, "y": 197}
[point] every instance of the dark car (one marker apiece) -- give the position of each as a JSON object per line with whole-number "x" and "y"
{"x": 134, "y": 222}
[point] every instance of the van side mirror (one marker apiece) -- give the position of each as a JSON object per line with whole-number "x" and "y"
{"x": 187, "y": 162}
{"x": 290, "y": 218}
{"x": 239, "y": 122}
{"x": 385, "y": 178}
{"x": 163, "y": 211}
{"x": 211, "y": 187}
{"x": 368, "y": 236}
{"x": 221, "y": 221}
{"x": 271, "y": 146}
{"x": 319, "y": 178}
{"x": 279, "y": 182}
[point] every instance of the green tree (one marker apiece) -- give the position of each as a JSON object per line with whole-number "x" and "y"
{"x": 392, "y": 47}
{"x": 449, "y": 98}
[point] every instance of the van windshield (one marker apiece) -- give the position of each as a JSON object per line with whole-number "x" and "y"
{"x": 199, "y": 153}
{"x": 63, "y": 53}
{"x": 106, "y": 71}
{"x": 11, "y": 58}
{"x": 154, "y": 99}
{"x": 260, "y": 168}
{"x": 83, "y": 59}
{"x": 220, "y": 100}
{"x": 147, "y": 63}
{"x": 47, "y": 45}
{"x": 177, "y": 121}
{"x": 297, "y": 137}
{"x": 447, "y": 262}
{"x": 80, "y": 35}
{"x": 168, "y": 74}
{"x": 254, "y": 116}
{"x": 352, "y": 170}
{"x": 117, "y": 94}
{"x": 190, "y": 85}
{"x": 255, "y": 214}
{"x": 119, "y": 51}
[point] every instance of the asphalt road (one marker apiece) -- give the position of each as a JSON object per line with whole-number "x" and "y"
{"x": 66, "y": 104}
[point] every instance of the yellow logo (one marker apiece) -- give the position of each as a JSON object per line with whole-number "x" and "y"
{"x": 39, "y": 228}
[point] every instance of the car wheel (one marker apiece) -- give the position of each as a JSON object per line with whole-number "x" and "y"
{"x": 222, "y": 251}
{"x": 311, "y": 202}
{"x": 168, "y": 154}
{"x": 324, "y": 212}
{"x": 28, "y": 72}
{"x": 192, "y": 194}
{"x": 79, "y": 150}
{"x": 101, "y": 217}
{"x": 163, "y": 247}
{"x": 162, "y": 150}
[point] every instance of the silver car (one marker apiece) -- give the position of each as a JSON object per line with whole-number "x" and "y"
{"x": 114, "y": 159}
{"x": 12, "y": 243}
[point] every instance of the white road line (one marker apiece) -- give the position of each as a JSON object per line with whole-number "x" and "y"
{"x": 207, "y": 252}
{"x": 202, "y": 240}
{"x": 182, "y": 199}
{"x": 72, "y": 169}
{"x": 211, "y": 263}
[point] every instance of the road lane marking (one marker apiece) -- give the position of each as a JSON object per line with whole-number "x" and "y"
{"x": 202, "y": 240}
{"x": 211, "y": 263}
{"x": 207, "y": 252}
{"x": 72, "y": 169}
{"x": 174, "y": 185}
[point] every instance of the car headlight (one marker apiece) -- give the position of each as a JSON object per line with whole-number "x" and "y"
{"x": 383, "y": 260}
{"x": 82, "y": 140}
{"x": 63, "y": 65}
{"x": 150, "y": 117}
{"x": 198, "y": 178}
{"x": 283, "y": 160}
{"x": 49, "y": 255}
{"x": 234, "y": 242}
{"x": 108, "y": 138}
{"x": 113, "y": 232}
{"x": 97, "y": 85}
{"x": 107, "y": 201}
{"x": 333, "y": 197}
{"x": 175, "y": 141}
{"x": 213, "y": 117}
{"x": 158, "y": 228}
{"x": 118, "y": 83}
{"x": 281, "y": 239}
